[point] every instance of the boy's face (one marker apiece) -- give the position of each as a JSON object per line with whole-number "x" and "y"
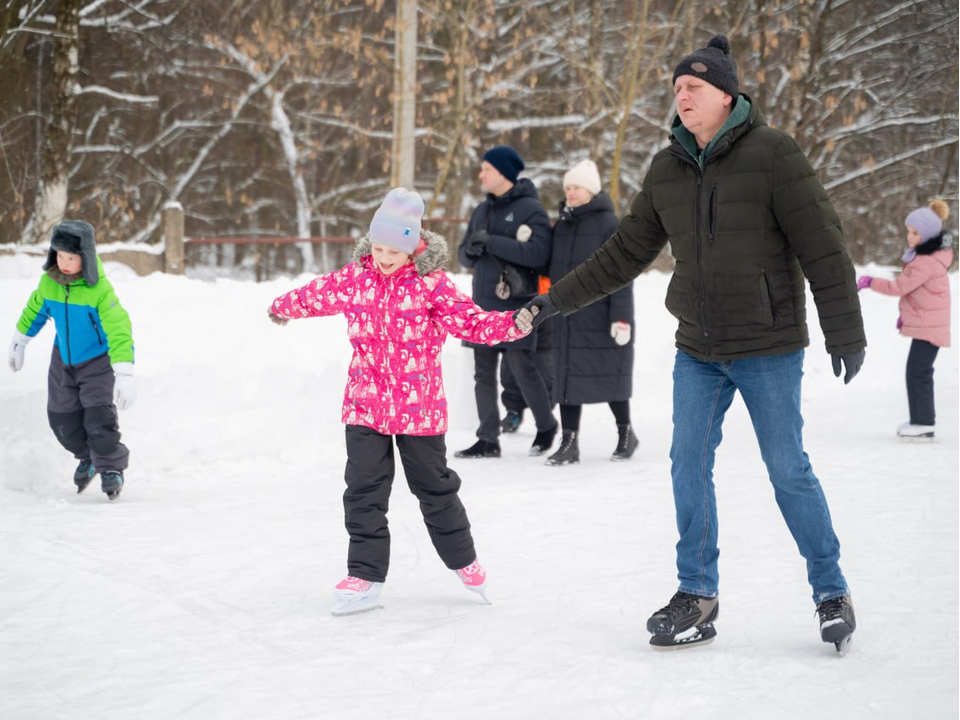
{"x": 69, "y": 263}
{"x": 388, "y": 260}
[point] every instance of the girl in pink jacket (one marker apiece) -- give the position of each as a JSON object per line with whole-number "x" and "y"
{"x": 400, "y": 306}
{"x": 924, "y": 291}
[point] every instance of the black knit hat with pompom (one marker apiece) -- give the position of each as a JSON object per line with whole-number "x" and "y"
{"x": 713, "y": 64}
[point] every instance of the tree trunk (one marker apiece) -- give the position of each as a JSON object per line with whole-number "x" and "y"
{"x": 405, "y": 95}
{"x": 51, "y": 201}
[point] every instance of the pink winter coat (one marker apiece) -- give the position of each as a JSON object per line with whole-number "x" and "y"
{"x": 397, "y": 325}
{"x": 924, "y": 290}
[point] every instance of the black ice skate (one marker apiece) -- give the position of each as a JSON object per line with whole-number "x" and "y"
{"x": 569, "y": 452}
{"x": 83, "y": 475}
{"x": 511, "y": 421}
{"x": 837, "y": 622}
{"x": 686, "y": 620}
{"x": 627, "y": 443}
{"x": 543, "y": 440}
{"x": 111, "y": 482}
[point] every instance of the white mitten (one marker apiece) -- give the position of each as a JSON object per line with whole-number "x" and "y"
{"x": 620, "y": 332}
{"x": 15, "y": 353}
{"x": 524, "y": 233}
{"x": 124, "y": 388}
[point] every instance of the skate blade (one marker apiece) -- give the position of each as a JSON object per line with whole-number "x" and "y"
{"x": 481, "y": 591}
{"x": 843, "y": 646}
{"x": 700, "y": 635}
{"x": 357, "y": 608}
{"x": 917, "y": 438}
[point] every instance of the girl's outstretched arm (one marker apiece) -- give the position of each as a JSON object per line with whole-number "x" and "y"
{"x": 464, "y": 319}
{"x": 913, "y": 276}
{"x": 325, "y": 295}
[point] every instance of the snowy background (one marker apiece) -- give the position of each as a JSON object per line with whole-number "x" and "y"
{"x": 205, "y": 590}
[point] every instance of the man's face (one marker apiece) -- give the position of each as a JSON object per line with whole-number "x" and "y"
{"x": 492, "y": 181}
{"x": 702, "y": 107}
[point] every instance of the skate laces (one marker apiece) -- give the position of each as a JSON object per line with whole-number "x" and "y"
{"x": 831, "y": 609}
{"x": 679, "y": 605}
{"x": 353, "y": 584}
{"x": 473, "y": 575}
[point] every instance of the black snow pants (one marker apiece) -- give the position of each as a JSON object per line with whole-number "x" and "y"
{"x": 369, "y": 477}
{"x": 920, "y": 382}
{"x": 81, "y": 411}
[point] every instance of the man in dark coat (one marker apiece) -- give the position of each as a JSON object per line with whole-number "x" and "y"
{"x": 747, "y": 221}
{"x": 508, "y": 232}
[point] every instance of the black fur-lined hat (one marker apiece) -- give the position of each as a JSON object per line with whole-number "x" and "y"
{"x": 75, "y": 236}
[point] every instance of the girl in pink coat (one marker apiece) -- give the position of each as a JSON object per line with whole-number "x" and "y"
{"x": 924, "y": 291}
{"x": 400, "y": 306}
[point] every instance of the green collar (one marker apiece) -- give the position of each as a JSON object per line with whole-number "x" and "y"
{"x": 738, "y": 116}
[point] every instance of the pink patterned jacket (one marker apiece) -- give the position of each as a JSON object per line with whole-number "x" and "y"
{"x": 397, "y": 325}
{"x": 924, "y": 290}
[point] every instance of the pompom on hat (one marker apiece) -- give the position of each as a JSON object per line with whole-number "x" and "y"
{"x": 396, "y": 223}
{"x": 928, "y": 221}
{"x": 712, "y": 64}
{"x": 584, "y": 174}
{"x": 506, "y": 160}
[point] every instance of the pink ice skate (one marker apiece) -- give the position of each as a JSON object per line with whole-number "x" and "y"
{"x": 355, "y": 595}
{"x": 474, "y": 578}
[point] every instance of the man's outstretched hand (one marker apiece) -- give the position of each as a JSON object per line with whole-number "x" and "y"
{"x": 534, "y": 313}
{"x": 851, "y": 362}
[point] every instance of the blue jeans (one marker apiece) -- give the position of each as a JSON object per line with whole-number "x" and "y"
{"x": 770, "y": 387}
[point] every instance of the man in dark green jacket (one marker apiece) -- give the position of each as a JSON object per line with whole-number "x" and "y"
{"x": 747, "y": 221}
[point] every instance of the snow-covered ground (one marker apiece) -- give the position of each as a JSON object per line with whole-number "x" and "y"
{"x": 204, "y": 591}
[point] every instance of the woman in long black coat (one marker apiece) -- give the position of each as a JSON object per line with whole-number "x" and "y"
{"x": 593, "y": 348}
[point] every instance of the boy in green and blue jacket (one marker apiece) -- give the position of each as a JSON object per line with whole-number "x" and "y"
{"x": 91, "y": 367}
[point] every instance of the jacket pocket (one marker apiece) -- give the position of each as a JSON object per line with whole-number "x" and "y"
{"x": 96, "y": 328}
{"x": 766, "y": 299}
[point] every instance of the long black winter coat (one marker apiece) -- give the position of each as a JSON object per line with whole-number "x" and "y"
{"x": 501, "y": 216}
{"x": 745, "y": 227}
{"x": 589, "y": 366}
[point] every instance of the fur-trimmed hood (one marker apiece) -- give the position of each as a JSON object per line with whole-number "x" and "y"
{"x": 75, "y": 236}
{"x": 433, "y": 257}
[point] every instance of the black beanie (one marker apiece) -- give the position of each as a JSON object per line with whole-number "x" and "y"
{"x": 506, "y": 160}
{"x": 713, "y": 64}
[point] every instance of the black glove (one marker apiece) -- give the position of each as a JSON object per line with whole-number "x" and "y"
{"x": 476, "y": 244}
{"x": 851, "y": 361}
{"x": 534, "y": 313}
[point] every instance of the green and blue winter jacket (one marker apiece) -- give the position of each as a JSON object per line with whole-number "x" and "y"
{"x": 89, "y": 318}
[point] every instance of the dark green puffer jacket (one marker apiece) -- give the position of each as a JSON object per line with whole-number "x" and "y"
{"x": 744, "y": 228}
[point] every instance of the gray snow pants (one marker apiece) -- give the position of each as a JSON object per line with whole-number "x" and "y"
{"x": 81, "y": 411}
{"x": 369, "y": 477}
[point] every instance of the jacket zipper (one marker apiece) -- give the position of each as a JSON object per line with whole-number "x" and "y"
{"x": 683, "y": 155}
{"x": 696, "y": 231}
{"x": 66, "y": 320}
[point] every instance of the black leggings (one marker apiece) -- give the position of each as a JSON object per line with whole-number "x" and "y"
{"x": 570, "y": 414}
{"x": 920, "y": 382}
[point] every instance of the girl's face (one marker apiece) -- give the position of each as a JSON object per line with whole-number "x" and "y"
{"x": 388, "y": 260}
{"x": 69, "y": 263}
{"x": 577, "y": 196}
{"x": 913, "y": 236}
